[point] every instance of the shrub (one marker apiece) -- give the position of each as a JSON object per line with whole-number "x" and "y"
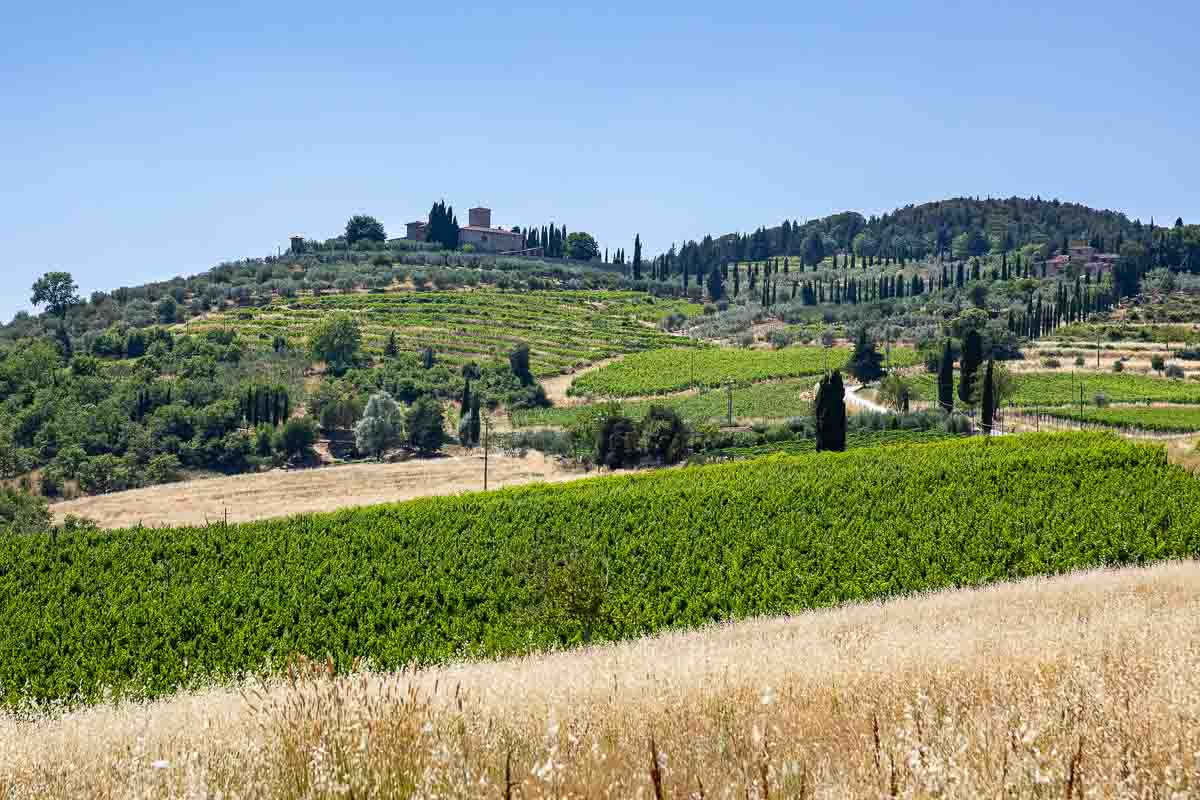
{"x": 1174, "y": 371}
{"x": 1079, "y": 362}
{"x": 617, "y": 442}
{"x": 21, "y": 512}
{"x": 426, "y": 426}
{"x": 1118, "y": 366}
{"x": 664, "y": 436}
{"x": 780, "y": 338}
{"x": 381, "y": 428}
{"x": 297, "y": 438}
{"x": 163, "y": 468}
{"x": 1051, "y": 363}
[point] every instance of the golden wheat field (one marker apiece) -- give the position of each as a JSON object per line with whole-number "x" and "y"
{"x": 1086, "y": 686}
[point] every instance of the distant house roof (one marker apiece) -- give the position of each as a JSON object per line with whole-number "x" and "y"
{"x": 498, "y": 231}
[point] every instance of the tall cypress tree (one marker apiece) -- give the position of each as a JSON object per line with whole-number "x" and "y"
{"x": 972, "y": 357}
{"x": 637, "y": 257}
{"x": 946, "y": 380}
{"x": 989, "y": 402}
{"x": 831, "y": 414}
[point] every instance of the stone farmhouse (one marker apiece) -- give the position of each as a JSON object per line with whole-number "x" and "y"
{"x": 1084, "y": 259}
{"x": 479, "y": 233}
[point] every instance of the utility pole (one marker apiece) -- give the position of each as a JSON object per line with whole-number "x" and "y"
{"x": 487, "y": 443}
{"x": 729, "y": 391}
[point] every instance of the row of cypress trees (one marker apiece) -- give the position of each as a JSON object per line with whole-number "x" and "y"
{"x": 266, "y": 405}
{"x": 969, "y": 363}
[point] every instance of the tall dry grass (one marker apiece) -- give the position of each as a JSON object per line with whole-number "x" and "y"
{"x": 1086, "y": 686}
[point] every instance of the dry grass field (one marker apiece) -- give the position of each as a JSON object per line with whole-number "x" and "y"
{"x": 283, "y": 492}
{"x": 1086, "y": 686}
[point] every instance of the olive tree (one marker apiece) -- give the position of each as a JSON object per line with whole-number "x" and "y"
{"x": 381, "y": 428}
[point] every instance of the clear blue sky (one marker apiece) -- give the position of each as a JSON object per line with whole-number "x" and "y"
{"x": 153, "y": 140}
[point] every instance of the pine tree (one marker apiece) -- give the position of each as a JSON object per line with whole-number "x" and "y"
{"x": 946, "y": 380}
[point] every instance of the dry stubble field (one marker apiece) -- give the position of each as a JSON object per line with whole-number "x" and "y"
{"x": 284, "y": 492}
{"x": 1074, "y": 687}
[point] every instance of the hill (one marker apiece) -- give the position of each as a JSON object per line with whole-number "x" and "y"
{"x": 1066, "y": 687}
{"x": 150, "y": 610}
{"x": 917, "y": 231}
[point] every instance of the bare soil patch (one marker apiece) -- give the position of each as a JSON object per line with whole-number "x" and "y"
{"x": 283, "y": 492}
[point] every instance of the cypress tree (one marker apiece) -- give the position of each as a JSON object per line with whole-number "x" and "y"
{"x": 972, "y": 357}
{"x": 831, "y": 414}
{"x": 946, "y": 380}
{"x": 637, "y": 257}
{"x": 988, "y": 399}
{"x": 391, "y": 349}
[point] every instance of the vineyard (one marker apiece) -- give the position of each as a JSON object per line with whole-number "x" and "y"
{"x": 145, "y": 611}
{"x": 854, "y": 440}
{"x": 1157, "y": 419}
{"x": 665, "y": 371}
{"x": 755, "y": 402}
{"x": 1063, "y": 388}
{"x": 564, "y": 329}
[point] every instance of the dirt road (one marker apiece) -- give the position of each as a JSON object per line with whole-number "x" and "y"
{"x": 284, "y": 492}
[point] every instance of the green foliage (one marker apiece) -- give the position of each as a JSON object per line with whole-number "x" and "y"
{"x": 362, "y": 228}
{"x": 866, "y": 363}
{"x": 518, "y": 361}
{"x": 582, "y": 247}
{"x": 972, "y": 357}
{"x": 945, "y": 380}
{"x": 381, "y": 428}
{"x": 336, "y": 340}
{"x": 1159, "y": 419}
{"x": 755, "y": 402}
{"x": 426, "y": 426}
{"x": 1063, "y": 388}
{"x": 22, "y": 513}
{"x": 666, "y": 371}
{"x": 565, "y": 329}
{"x": 617, "y": 442}
{"x": 297, "y": 438}
{"x": 831, "y": 414}
{"x": 472, "y": 575}
{"x": 664, "y": 436}
{"x": 57, "y": 291}
{"x": 895, "y": 393}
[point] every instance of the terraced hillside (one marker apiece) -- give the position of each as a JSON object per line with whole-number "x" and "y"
{"x": 672, "y": 370}
{"x": 564, "y": 329}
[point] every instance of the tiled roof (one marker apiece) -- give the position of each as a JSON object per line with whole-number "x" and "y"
{"x": 499, "y": 231}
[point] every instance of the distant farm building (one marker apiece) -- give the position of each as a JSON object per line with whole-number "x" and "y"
{"x": 478, "y": 233}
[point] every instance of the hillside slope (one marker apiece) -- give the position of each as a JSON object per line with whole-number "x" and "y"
{"x": 1080, "y": 686}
